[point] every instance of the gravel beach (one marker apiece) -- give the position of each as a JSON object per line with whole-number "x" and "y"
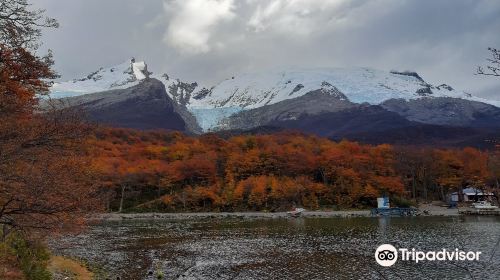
{"x": 426, "y": 210}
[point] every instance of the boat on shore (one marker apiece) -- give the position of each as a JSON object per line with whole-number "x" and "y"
{"x": 484, "y": 205}
{"x": 297, "y": 212}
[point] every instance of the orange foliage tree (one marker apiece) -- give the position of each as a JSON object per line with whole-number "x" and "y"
{"x": 255, "y": 172}
{"x": 44, "y": 184}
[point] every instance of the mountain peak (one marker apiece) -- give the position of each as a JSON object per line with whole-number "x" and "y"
{"x": 123, "y": 75}
{"x": 140, "y": 69}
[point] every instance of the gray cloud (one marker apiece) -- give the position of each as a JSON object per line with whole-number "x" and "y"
{"x": 191, "y": 23}
{"x": 210, "y": 40}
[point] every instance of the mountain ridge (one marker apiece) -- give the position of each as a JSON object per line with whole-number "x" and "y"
{"x": 365, "y": 99}
{"x": 142, "y": 106}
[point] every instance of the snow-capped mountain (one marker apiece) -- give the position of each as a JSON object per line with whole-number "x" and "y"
{"x": 359, "y": 85}
{"x": 252, "y": 100}
{"x": 121, "y": 76}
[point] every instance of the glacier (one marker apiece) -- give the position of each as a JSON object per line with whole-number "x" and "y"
{"x": 209, "y": 119}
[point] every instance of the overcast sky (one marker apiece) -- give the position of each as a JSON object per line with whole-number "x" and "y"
{"x": 210, "y": 40}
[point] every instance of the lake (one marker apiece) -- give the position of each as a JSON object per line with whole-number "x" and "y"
{"x": 296, "y": 248}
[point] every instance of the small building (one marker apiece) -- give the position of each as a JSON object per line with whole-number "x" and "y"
{"x": 383, "y": 202}
{"x": 472, "y": 194}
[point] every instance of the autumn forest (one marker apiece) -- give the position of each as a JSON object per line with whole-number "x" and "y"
{"x": 169, "y": 171}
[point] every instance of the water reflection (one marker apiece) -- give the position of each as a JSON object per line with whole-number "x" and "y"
{"x": 383, "y": 224}
{"x": 299, "y": 223}
{"x": 302, "y": 248}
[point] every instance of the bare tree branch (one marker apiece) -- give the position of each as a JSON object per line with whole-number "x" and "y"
{"x": 20, "y": 26}
{"x": 494, "y": 68}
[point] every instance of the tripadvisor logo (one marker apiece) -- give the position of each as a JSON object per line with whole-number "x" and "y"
{"x": 387, "y": 255}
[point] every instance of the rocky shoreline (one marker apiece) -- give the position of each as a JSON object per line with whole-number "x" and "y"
{"x": 423, "y": 211}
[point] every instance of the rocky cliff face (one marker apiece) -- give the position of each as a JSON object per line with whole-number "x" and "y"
{"x": 312, "y": 103}
{"x": 446, "y": 111}
{"x": 143, "y": 106}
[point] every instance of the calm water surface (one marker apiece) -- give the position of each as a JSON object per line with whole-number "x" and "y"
{"x": 303, "y": 248}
